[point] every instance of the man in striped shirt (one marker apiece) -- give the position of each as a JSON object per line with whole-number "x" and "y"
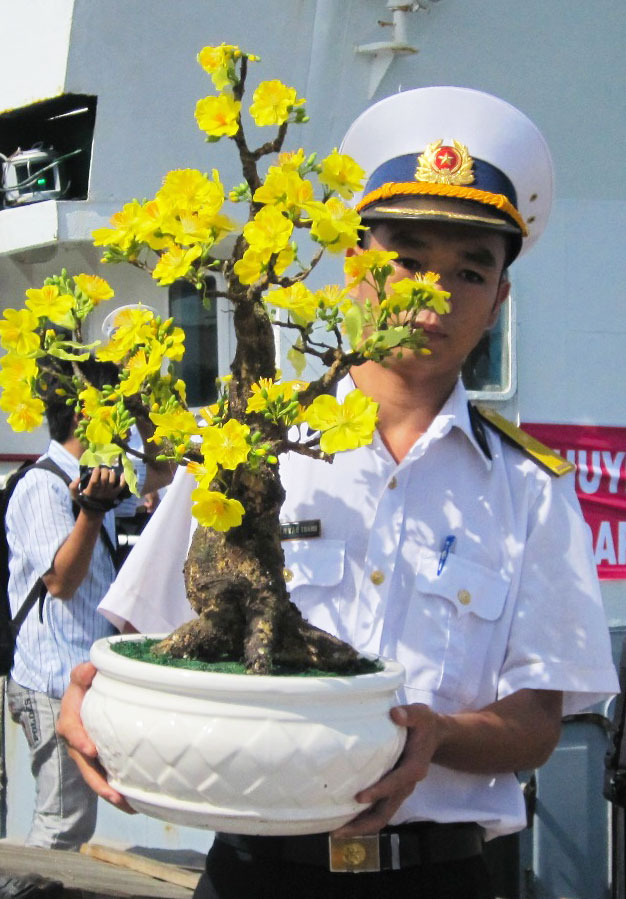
{"x": 72, "y": 556}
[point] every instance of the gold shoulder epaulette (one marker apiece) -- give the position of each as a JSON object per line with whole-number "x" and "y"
{"x": 541, "y": 453}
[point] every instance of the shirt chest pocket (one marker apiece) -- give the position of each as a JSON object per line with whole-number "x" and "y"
{"x": 452, "y": 619}
{"x": 314, "y": 572}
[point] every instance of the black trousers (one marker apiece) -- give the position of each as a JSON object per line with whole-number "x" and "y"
{"x": 231, "y": 874}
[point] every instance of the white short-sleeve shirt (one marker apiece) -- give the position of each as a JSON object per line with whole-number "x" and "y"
{"x": 515, "y": 605}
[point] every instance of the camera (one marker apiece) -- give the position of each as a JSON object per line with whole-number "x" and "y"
{"x": 85, "y": 477}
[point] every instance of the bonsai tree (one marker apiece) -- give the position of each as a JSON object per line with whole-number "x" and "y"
{"x": 295, "y": 211}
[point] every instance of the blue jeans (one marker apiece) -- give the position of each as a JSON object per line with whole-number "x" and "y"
{"x": 65, "y": 807}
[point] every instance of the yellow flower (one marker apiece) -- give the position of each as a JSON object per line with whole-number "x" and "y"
{"x": 335, "y": 225}
{"x": 301, "y": 302}
{"x": 188, "y": 190}
{"x": 203, "y": 473}
{"x": 176, "y": 424}
{"x": 272, "y": 102}
{"x": 25, "y": 411}
{"x": 358, "y": 267}
{"x": 17, "y": 369}
{"x": 150, "y": 226}
{"x": 332, "y": 295}
{"x": 218, "y": 116}
{"x": 174, "y": 345}
{"x": 226, "y": 446}
{"x": 175, "y": 264}
{"x": 250, "y": 267}
{"x": 17, "y": 331}
{"x": 94, "y": 287}
{"x": 417, "y": 293}
{"x": 218, "y": 63}
{"x": 49, "y": 303}
{"x": 132, "y": 326}
{"x": 269, "y": 231}
{"x": 284, "y": 189}
{"x": 344, "y": 426}
{"x": 101, "y": 427}
{"x": 122, "y": 232}
{"x": 342, "y": 174}
{"x": 91, "y": 400}
{"x": 140, "y": 367}
{"x": 215, "y": 510}
{"x": 291, "y": 160}
{"x": 268, "y": 391}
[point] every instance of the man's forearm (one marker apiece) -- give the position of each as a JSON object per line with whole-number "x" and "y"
{"x": 515, "y": 733}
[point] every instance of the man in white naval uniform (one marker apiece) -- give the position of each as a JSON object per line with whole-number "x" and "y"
{"x": 441, "y": 545}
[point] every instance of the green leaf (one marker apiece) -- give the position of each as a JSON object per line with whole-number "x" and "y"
{"x": 353, "y": 324}
{"x": 108, "y": 454}
{"x": 297, "y": 359}
{"x": 130, "y": 474}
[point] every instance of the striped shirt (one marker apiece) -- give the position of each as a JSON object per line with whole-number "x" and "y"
{"x": 39, "y": 519}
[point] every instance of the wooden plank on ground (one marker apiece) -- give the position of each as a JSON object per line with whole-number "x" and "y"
{"x": 141, "y": 864}
{"x": 79, "y": 872}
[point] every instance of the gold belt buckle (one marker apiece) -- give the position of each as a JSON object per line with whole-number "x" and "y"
{"x": 355, "y": 854}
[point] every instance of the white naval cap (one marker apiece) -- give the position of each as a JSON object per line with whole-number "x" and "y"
{"x": 457, "y": 154}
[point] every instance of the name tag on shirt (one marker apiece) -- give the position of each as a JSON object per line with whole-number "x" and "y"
{"x": 294, "y": 529}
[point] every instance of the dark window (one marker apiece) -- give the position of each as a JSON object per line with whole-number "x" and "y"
{"x": 45, "y": 150}
{"x": 489, "y": 370}
{"x": 199, "y": 366}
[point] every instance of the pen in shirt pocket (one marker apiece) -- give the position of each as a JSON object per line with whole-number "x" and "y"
{"x": 446, "y": 549}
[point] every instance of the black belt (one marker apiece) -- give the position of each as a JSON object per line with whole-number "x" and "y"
{"x": 421, "y": 843}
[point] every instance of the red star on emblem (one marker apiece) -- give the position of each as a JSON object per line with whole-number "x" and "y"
{"x": 447, "y": 159}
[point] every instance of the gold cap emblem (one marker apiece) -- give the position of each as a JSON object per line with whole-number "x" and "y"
{"x": 441, "y": 164}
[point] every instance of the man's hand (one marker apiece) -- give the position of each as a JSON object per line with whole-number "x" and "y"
{"x": 386, "y": 796}
{"x": 80, "y": 747}
{"x": 515, "y": 733}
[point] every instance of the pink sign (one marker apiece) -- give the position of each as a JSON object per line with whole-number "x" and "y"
{"x": 600, "y": 458}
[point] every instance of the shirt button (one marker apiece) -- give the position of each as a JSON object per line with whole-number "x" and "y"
{"x": 464, "y": 597}
{"x": 288, "y": 574}
{"x": 393, "y": 483}
{"x": 377, "y": 577}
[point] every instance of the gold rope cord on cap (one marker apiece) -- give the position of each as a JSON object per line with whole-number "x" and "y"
{"x": 392, "y": 189}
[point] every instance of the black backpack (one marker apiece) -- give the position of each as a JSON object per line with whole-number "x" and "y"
{"x": 9, "y": 627}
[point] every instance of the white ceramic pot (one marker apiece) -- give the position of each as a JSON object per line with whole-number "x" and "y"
{"x": 241, "y": 754}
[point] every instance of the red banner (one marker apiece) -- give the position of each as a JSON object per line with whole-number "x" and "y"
{"x": 600, "y": 458}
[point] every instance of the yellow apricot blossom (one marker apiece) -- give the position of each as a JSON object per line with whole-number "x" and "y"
{"x": 174, "y": 264}
{"x": 335, "y": 225}
{"x": 123, "y": 230}
{"x": 191, "y": 190}
{"x": 101, "y": 427}
{"x": 267, "y": 392}
{"x": 272, "y": 102}
{"x": 344, "y": 426}
{"x": 218, "y": 63}
{"x": 284, "y": 189}
{"x": 269, "y": 231}
{"x": 358, "y": 267}
{"x": 17, "y": 331}
{"x": 49, "y": 302}
{"x": 226, "y": 446}
{"x": 17, "y": 369}
{"x": 424, "y": 289}
{"x": 176, "y": 425}
{"x": 96, "y": 288}
{"x": 215, "y": 510}
{"x": 202, "y": 473}
{"x": 139, "y": 367}
{"x": 299, "y": 301}
{"x": 25, "y": 411}
{"x": 218, "y": 116}
{"x": 251, "y": 266}
{"x": 341, "y": 174}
